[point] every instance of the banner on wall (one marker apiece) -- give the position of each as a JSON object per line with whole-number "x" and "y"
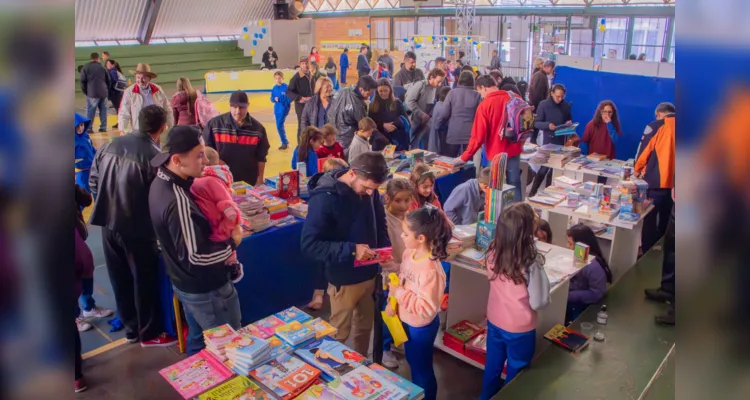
{"x": 426, "y": 57}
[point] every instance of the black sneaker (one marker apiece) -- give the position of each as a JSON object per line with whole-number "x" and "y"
{"x": 658, "y": 295}
{"x": 102, "y": 130}
{"x": 284, "y": 147}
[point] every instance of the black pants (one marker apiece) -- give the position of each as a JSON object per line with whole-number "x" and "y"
{"x": 132, "y": 264}
{"x": 78, "y": 369}
{"x": 656, "y": 222}
{"x": 543, "y": 172}
{"x": 298, "y": 107}
{"x": 452, "y": 150}
{"x": 670, "y": 258}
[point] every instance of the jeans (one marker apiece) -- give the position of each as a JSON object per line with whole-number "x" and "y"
{"x": 86, "y": 300}
{"x": 419, "y": 349}
{"x": 343, "y": 76}
{"x": 513, "y": 175}
{"x": 209, "y": 310}
{"x": 92, "y": 105}
{"x": 298, "y": 107}
{"x": 516, "y": 348}
{"x": 280, "y": 118}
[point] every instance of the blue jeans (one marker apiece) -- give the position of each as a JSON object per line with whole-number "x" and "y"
{"x": 280, "y": 118}
{"x": 419, "y": 350}
{"x": 517, "y": 348}
{"x": 92, "y": 105}
{"x": 86, "y": 300}
{"x": 209, "y": 310}
{"x": 513, "y": 175}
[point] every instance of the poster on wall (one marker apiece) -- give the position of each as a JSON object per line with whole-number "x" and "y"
{"x": 426, "y": 56}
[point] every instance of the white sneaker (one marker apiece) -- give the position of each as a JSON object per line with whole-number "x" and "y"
{"x": 97, "y": 312}
{"x": 389, "y": 360}
{"x": 82, "y": 325}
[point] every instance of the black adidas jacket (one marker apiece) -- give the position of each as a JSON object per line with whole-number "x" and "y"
{"x": 194, "y": 263}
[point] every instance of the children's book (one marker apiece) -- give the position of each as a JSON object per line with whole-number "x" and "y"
{"x": 219, "y": 336}
{"x": 390, "y": 151}
{"x": 332, "y": 357}
{"x": 320, "y": 391}
{"x": 464, "y": 330}
{"x": 239, "y": 387}
{"x": 251, "y": 330}
{"x": 566, "y": 129}
{"x": 287, "y": 376}
{"x": 196, "y": 374}
{"x": 415, "y": 392}
{"x": 581, "y": 252}
{"x": 294, "y": 333}
{"x": 293, "y": 314}
{"x": 246, "y": 346}
{"x": 321, "y": 328}
{"x": 382, "y": 255}
{"x": 364, "y": 384}
{"x": 485, "y": 234}
{"x": 278, "y": 347}
{"x": 567, "y": 338}
{"x": 289, "y": 185}
{"x": 267, "y": 326}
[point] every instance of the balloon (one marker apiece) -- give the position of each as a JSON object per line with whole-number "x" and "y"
{"x": 260, "y": 23}
{"x": 455, "y": 39}
{"x": 451, "y": 51}
{"x": 406, "y": 40}
{"x": 468, "y": 38}
{"x": 479, "y": 45}
{"x": 602, "y": 28}
{"x": 252, "y": 52}
{"x": 255, "y": 42}
{"x": 419, "y": 46}
{"x": 260, "y": 36}
{"x": 604, "y": 21}
{"x": 263, "y": 30}
{"x": 433, "y": 38}
{"x": 244, "y": 29}
{"x": 368, "y": 26}
{"x": 255, "y": 35}
{"x": 246, "y": 36}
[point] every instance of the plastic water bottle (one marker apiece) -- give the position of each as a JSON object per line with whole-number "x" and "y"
{"x": 602, "y": 316}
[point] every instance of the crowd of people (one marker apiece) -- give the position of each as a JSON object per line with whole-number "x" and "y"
{"x": 176, "y": 197}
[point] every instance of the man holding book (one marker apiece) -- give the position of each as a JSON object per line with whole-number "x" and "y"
{"x": 345, "y": 222}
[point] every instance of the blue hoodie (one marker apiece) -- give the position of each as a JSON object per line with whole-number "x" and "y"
{"x": 280, "y": 107}
{"x": 84, "y": 149}
{"x": 337, "y": 220}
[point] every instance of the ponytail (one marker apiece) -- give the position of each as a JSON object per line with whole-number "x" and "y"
{"x": 310, "y": 134}
{"x": 432, "y": 223}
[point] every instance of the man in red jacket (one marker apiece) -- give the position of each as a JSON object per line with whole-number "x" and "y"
{"x": 487, "y": 127}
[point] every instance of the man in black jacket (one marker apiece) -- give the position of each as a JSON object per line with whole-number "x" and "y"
{"x": 409, "y": 73}
{"x": 196, "y": 265}
{"x": 348, "y": 107}
{"x": 363, "y": 66}
{"x": 95, "y": 83}
{"x": 120, "y": 179}
{"x": 539, "y": 88}
{"x": 300, "y": 90}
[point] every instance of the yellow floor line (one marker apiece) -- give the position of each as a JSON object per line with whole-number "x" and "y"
{"x": 102, "y": 349}
{"x": 109, "y": 339}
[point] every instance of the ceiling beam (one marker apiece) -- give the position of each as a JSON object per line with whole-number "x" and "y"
{"x": 148, "y": 21}
{"x": 637, "y": 11}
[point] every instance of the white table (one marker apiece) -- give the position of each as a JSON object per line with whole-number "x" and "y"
{"x": 469, "y": 292}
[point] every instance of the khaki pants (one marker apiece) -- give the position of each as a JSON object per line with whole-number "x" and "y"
{"x": 352, "y": 311}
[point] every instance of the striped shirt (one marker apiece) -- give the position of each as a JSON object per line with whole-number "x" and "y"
{"x": 241, "y": 147}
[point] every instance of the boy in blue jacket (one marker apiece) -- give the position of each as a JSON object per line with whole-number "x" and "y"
{"x": 84, "y": 151}
{"x": 281, "y": 106}
{"x": 343, "y": 65}
{"x": 467, "y": 200}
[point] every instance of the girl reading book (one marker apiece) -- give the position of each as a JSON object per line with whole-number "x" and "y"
{"x": 518, "y": 288}
{"x": 423, "y": 181}
{"x": 426, "y": 233}
{"x": 590, "y": 284}
{"x": 310, "y": 140}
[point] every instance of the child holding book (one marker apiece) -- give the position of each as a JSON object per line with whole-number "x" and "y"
{"x": 589, "y": 285}
{"x": 423, "y": 181}
{"x": 518, "y": 288}
{"x": 212, "y": 193}
{"x": 361, "y": 142}
{"x": 330, "y": 147}
{"x": 467, "y": 199}
{"x": 310, "y": 140}
{"x": 281, "y": 107}
{"x": 426, "y": 234}
{"x": 398, "y": 197}
{"x": 543, "y": 231}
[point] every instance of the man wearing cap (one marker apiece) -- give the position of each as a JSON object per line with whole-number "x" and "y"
{"x": 195, "y": 264}
{"x": 240, "y": 139}
{"x": 300, "y": 90}
{"x": 141, "y": 94}
{"x": 121, "y": 175}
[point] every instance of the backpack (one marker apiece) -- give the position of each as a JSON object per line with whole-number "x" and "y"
{"x": 519, "y": 119}
{"x": 122, "y": 82}
{"x": 204, "y": 109}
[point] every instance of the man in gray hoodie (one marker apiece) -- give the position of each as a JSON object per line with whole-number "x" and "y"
{"x": 420, "y": 100}
{"x": 467, "y": 200}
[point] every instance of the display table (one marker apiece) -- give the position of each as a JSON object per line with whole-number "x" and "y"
{"x": 445, "y": 184}
{"x": 470, "y": 289}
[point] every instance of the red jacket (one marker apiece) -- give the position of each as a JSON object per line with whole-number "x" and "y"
{"x": 486, "y": 129}
{"x": 336, "y": 151}
{"x": 597, "y": 136}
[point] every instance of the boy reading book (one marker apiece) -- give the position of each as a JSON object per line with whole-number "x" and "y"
{"x": 467, "y": 199}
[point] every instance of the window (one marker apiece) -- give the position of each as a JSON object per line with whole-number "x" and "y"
{"x": 674, "y": 33}
{"x": 128, "y": 42}
{"x": 193, "y": 39}
{"x": 403, "y": 28}
{"x": 649, "y": 37}
{"x": 85, "y": 43}
{"x": 612, "y": 43}
{"x": 174, "y": 40}
{"x": 515, "y": 50}
{"x": 381, "y": 33}
{"x": 581, "y": 37}
{"x": 549, "y": 36}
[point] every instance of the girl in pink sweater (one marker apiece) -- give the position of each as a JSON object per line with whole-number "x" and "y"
{"x": 518, "y": 287}
{"x": 212, "y": 193}
{"x": 426, "y": 233}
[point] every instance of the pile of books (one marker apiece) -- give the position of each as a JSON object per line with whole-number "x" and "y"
{"x": 246, "y": 352}
{"x": 264, "y": 189}
{"x": 293, "y": 314}
{"x": 566, "y": 182}
{"x": 299, "y": 210}
{"x": 321, "y": 328}
{"x": 457, "y": 337}
{"x": 277, "y": 208}
{"x": 472, "y": 258}
{"x": 454, "y": 247}
{"x": 466, "y": 234}
{"x": 253, "y": 212}
{"x": 217, "y": 338}
{"x": 577, "y": 163}
{"x": 294, "y": 333}
{"x": 558, "y": 159}
{"x": 196, "y": 374}
{"x": 547, "y": 199}
{"x": 286, "y": 376}
{"x": 448, "y": 163}
{"x": 596, "y": 157}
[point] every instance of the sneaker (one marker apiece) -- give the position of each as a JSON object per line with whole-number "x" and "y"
{"x": 389, "y": 360}
{"x": 102, "y": 130}
{"x": 131, "y": 340}
{"x": 162, "y": 340}
{"x": 284, "y": 147}
{"x": 82, "y": 325}
{"x": 80, "y": 385}
{"x": 666, "y": 319}
{"x": 658, "y": 295}
{"x": 97, "y": 312}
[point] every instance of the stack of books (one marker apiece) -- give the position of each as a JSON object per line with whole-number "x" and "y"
{"x": 294, "y": 333}
{"x": 299, "y": 210}
{"x": 558, "y": 159}
{"x": 466, "y": 234}
{"x": 543, "y": 153}
{"x": 596, "y": 157}
{"x": 286, "y": 376}
{"x": 217, "y": 338}
{"x": 457, "y": 336}
{"x": 333, "y": 358}
{"x": 448, "y": 163}
{"x": 196, "y": 374}
{"x": 545, "y": 199}
{"x": 472, "y": 258}
{"x": 236, "y": 388}
{"x": 566, "y": 182}
{"x": 253, "y": 212}
{"x": 264, "y": 189}
{"x": 293, "y": 314}
{"x": 454, "y": 247}
{"x": 266, "y": 327}
{"x": 246, "y": 352}
{"x": 321, "y": 328}
{"x": 577, "y": 163}
{"x": 277, "y": 208}
{"x": 239, "y": 188}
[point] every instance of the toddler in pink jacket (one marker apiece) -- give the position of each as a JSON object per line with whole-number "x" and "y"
{"x": 213, "y": 195}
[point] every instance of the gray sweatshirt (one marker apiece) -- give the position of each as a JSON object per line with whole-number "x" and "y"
{"x": 359, "y": 145}
{"x": 465, "y": 203}
{"x": 419, "y": 95}
{"x": 538, "y": 285}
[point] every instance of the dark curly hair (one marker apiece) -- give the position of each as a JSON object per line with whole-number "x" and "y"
{"x": 432, "y": 223}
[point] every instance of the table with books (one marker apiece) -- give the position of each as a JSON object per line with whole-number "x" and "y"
{"x": 614, "y": 213}
{"x": 448, "y": 173}
{"x": 286, "y": 355}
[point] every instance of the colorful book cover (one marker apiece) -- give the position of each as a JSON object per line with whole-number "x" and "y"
{"x": 239, "y": 387}
{"x": 219, "y": 336}
{"x": 364, "y": 384}
{"x": 464, "y": 330}
{"x": 415, "y": 392}
{"x": 390, "y": 151}
{"x": 278, "y": 346}
{"x": 581, "y": 252}
{"x": 485, "y": 234}
{"x": 252, "y": 330}
{"x": 196, "y": 374}
{"x": 289, "y": 185}
{"x": 286, "y": 375}
{"x": 321, "y": 328}
{"x": 267, "y": 326}
{"x": 293, "y": 314}
{"x": 381, "y": 255}
{"x": 294, "y": 333}
{"x": 567, "y": 338}
{"x": 319, "y": 392}
{"x": 246, "y": 346}
{"x": 332, "y": 357}
{"x": 629, "y": 217}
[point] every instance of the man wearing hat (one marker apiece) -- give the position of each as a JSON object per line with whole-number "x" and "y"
{"x": 300, "y": 90}
{"x": 121, "y": 175}
{"x": 240, "y": 139}
{"x": 139, "y": 95}
{"x": 195, "y": 264}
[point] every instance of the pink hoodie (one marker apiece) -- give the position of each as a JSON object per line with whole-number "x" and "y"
{"x": 420, "y": 291}
{"x": 212, "y": 194}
